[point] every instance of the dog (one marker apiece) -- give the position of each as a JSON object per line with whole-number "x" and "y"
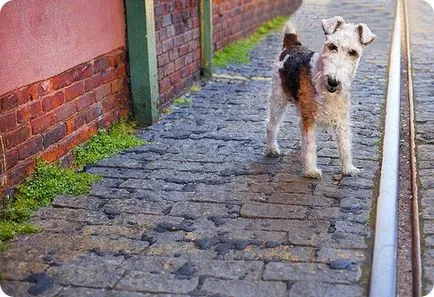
{"x": 319, "y": 84}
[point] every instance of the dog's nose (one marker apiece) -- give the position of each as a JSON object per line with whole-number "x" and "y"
{"x": 333, "y": 83}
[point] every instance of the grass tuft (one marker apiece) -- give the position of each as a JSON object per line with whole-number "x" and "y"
{"x": 238, "y": 52}
{"x": 181, "y": 101}
{"x": 166, "y": 110}
{"x": 106, "y": 143}
{"x": 195, "y": 88}
{"x": 50, "y": 180}
{"x": 47, "y": 182}
{"x": 10, "y": 229}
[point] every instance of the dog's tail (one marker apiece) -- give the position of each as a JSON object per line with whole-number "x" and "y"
{"x": 290, "y": 39}
{"x": 289, "y": 28}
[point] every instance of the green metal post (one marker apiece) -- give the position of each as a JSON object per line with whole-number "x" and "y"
{"x": 205, "y": 10}
{"x": 142, "y": 60}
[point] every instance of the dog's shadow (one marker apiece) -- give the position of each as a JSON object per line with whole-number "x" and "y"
{"x": 279, "y": 180}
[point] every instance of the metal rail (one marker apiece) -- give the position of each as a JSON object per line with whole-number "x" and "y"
{"x": 384, "y": 263}
{"x": 416, "y": 254}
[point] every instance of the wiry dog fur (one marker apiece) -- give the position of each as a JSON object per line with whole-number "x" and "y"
{"x": 319, "y": 85}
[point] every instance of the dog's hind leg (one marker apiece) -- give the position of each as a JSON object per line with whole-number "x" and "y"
{"x": 308, "y": 107}
{"x": 308, "y": 147}
{"x": 276, "y": 107}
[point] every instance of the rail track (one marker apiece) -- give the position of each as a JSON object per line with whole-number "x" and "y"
{"x": 385, "y": 265}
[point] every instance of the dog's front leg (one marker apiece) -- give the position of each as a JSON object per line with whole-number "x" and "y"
{"x": 308, "y": 146}
{"x": 343, "y": 134}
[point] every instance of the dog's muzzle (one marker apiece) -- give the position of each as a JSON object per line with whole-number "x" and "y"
{"x": 332, "y": 84}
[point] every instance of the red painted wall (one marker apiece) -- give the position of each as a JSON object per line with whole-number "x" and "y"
{"x": 42, "y": 38}
{"x": 63, "y": 76}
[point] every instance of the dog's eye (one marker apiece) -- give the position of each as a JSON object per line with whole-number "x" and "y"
{"x": 332, "y": 47}
{"x": 353, "y": 53}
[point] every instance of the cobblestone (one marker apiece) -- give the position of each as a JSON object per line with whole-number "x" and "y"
{"x": 84, "y": 202}
{"x": 310, "y": 272}
{"x": 272, "y": 211}
{"x": 84, "y": 271}
{"x": 157, "y": 283}
{"x": 88, "y": 292}
{"x": 118, "y": 206}
{"x": 244, "y": 288}
{"x": 328, "y": 254}
{"x": 195, "y": 210}
{"x": 201, "y": 211}
{"x": 22, "y": 288}
{"x": 309, "y": 289}
{"x": 279, "y": 253}
{"x": 21, "y": 270}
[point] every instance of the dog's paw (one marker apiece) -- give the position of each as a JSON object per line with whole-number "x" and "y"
{"x": 313, "y": 173}
{"x": 273, "y": 153}
{"x": 350, "y": 170}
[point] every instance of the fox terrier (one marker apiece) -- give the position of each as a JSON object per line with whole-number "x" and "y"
{"x": 319, "y": 85}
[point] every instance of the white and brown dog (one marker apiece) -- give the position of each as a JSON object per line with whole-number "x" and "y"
{"x": 319, "y": 85}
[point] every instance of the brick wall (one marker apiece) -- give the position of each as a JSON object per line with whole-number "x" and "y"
{"x": 178, "y": 46}
{"x": 47, "y": 119}
{"x": 178, "y": 39}
{"x": 234, "y": 19}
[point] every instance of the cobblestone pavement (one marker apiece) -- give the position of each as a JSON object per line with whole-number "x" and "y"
{"x": 422, "y": 47}
{"x": 202, "y": 212}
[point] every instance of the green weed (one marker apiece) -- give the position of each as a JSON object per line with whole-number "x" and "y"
{"x": 181, "y": 101}
{"x": 195, "y": 88}
{"x": 50, "y": 180}
{"x": 106, "y": 143}
{"x": 238, "y": 52}
{"x": 9, "y": 229}
{"x": 166, "y": 110}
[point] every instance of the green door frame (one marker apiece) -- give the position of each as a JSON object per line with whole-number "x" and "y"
{"x": 205, "y": 14}
{"x": 142, "y": 60}
{"x": 142, "y": 55}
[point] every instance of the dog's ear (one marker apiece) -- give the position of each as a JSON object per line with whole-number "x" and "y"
{"x": 365, "y": 35}
{"x": 331, "y": 25}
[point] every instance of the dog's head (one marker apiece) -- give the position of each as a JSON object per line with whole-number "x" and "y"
{"x": 343, "y": 47}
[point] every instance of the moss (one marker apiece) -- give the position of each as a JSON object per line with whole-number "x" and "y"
{"x": 50, "y": 180}
{"x": 167, "y": 110}
{"x": 47, "y": 182}
{"x": 238, "y": 52}
{"x": 9, "y": 229}
{"x": 106, "y": 143}
{"x": 181, "y": 101}
{"x": 195, "y": 88}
